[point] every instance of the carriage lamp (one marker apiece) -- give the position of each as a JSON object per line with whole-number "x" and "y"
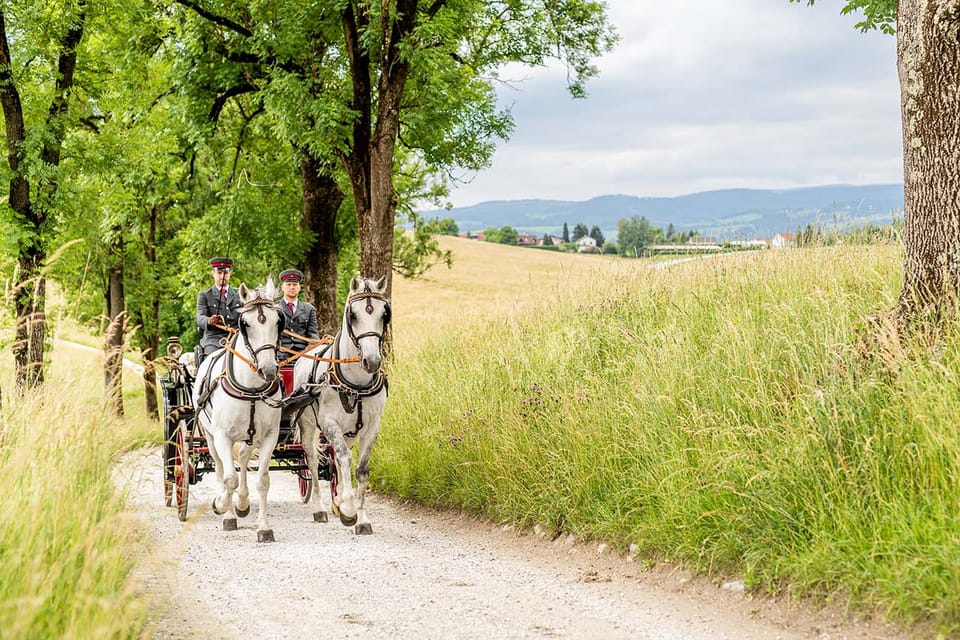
{"x": 174, "y": 348}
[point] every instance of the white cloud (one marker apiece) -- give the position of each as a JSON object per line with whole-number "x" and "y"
{"x": 703, "y": 95}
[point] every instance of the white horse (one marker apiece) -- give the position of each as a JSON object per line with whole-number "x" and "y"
{"x": 236, "y": 398}
{"x": 350, "y": 392}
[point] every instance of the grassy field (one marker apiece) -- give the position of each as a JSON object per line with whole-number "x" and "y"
{"x": 66, "y": 546}
{"x": 734, "y": 413}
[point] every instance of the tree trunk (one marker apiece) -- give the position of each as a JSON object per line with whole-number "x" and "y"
{"x": 322, "y": 198}
{"x": 30, "y": 298}
{"x": 928, "y": 53}
{"x": 150, "y": 319}
{"x": 372, "y": 163}
{"x": 113, "y": 344}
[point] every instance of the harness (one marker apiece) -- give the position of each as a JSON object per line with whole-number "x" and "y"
{"x": 227, "y": 378}
{"x": 351, "y": 395}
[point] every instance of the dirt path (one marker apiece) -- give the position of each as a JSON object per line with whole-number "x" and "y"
{"x": 423, "y": 574}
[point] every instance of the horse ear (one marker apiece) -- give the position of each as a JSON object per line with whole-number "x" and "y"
{"x": 244, "y": 292}
{"x": 355, "y": 283}
{"x": 271, "y": 288}
{"x": 380, "y": 282}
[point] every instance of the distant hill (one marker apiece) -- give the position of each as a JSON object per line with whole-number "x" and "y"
{"x": 725, "y": 214}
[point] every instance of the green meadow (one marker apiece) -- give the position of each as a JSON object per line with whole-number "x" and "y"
{"x": 750, "y": 415}
{"x": 747, "y": 415}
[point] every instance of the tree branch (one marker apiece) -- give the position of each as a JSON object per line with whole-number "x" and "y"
{"x": 212, "y": 17}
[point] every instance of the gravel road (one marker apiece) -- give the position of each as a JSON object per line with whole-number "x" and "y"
{"x": 423, "y": 574}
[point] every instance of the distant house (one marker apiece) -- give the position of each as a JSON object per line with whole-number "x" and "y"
{"x": 702, "y": 240}
{"x": 528, "y": 240}
{"x": 586, "y": 243}
{"x": 782, "y": 240}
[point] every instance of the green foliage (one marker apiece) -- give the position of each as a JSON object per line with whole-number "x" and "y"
{"x": 491, "y": 234}
{"x": 418, "y": 251}
{"x": 597, "y": 235}
{"x": 507, "y": 235}
{"x": 444, "y": 227}
{"x": 877, "y": 14}
{"x": 635, "y": 234}
{"x": 579, "y": 231}
{"x": 737, "y": 415}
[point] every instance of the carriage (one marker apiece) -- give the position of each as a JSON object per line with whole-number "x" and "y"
{"x": 304, "y": 418}
{"x": 186, "y": 456}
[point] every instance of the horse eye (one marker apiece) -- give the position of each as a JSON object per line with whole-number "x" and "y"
{"x": 351, "y": 316}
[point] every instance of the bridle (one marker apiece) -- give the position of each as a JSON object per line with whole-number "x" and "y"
{"x": 333, "y": 375}
{"x": 366, "y": 295}
{"x": 258, "y": 304}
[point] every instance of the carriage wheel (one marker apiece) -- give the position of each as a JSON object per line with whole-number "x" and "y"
{"x": 169, "y": 459}
{"x": 304, "y": 480}
{"x": 181, "y": 471}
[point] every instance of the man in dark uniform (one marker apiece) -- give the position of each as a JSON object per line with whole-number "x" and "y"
{"x": 218, "y": 305}
{"x": 300, "y": 316}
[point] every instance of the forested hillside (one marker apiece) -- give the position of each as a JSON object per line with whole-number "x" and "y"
{"x": 725, "y": 214}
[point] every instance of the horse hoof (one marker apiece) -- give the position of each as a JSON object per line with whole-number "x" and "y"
{"x": 348, "y": 521}
{"x": 265, "y": 535}
{"x": 320, "y": 516}
{"x": 229, "y": 524}
{"x": 243, "y": 513}
{"x": 215, "y": 510}
{"x": 364, "y": 529}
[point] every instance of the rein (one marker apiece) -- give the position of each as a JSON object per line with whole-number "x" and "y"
{"x": 311, "y": 344}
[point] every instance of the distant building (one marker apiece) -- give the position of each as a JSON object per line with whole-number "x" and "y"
{"x": 682, "y": 248}
{"x": 528, "y": 240}
{"x": 782, "y": 240}
{"x": 704, "y": 240}
{"x": 586, "y": 243}
{"x": 750, "y": 244}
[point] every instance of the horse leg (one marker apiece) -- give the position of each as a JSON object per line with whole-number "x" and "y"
{"x": 243, "y": 492}
{"x": 223, "y": 504}
{"x": 367, "y": 441}
{"x": 267, "y": 445}
{"x": 344, "y": 502}
{"x": 308, "y": 440}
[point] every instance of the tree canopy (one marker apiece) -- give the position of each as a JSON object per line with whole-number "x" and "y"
{"x": 161, "y": 133}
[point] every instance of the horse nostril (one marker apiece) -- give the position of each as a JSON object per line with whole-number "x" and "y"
{"x": 371, "y": 364}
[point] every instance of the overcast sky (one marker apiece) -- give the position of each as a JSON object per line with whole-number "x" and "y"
{"x": 701, "y": 95}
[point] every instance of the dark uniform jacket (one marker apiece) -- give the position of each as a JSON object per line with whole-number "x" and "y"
{"x": 209, "y": 303}
{"x": 303, "y": 322}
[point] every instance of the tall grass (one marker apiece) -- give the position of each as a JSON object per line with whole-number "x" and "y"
{"x": 66, "y": 549}
{"x": 736, "y": 413}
